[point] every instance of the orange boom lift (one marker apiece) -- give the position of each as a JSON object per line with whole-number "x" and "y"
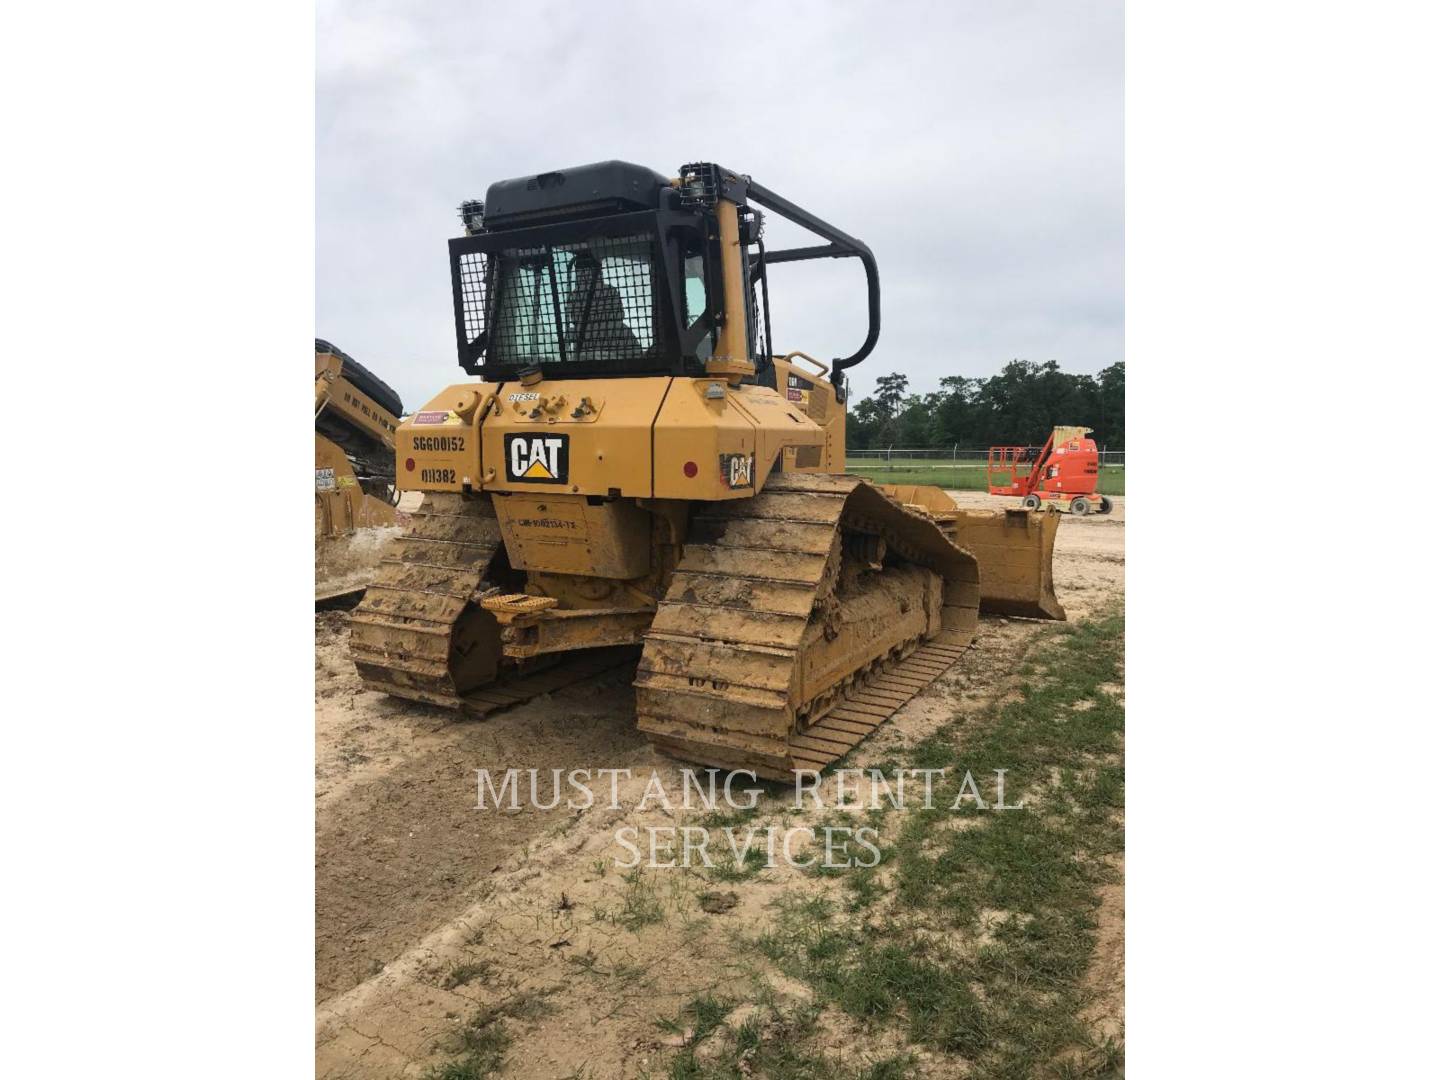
{"x": 1062, "y": 473}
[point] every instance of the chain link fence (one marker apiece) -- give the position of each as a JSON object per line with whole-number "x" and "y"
{"x": 957, "y": 467}
{"x": 906, "y": 458}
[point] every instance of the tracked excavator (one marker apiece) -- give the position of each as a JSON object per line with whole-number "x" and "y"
{"x": 356, "y": 417}
{"x": 637, "y": 468}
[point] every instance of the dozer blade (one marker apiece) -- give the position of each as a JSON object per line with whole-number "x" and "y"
{"x": 346, "y": 565}
{"x": 1015, "y": 550}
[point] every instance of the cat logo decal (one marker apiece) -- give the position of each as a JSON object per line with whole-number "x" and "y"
{"x": 537, "y": 459}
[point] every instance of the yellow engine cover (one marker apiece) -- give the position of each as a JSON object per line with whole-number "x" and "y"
{"x": 642, "y": 438}
{"x": 583, "y": 436}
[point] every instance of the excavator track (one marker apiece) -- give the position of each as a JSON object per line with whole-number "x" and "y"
{"x": 419, "y": 634}
{"x": 797, "y": 622}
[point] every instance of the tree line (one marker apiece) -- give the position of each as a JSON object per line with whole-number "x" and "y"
{"x": 1019, "y": 406}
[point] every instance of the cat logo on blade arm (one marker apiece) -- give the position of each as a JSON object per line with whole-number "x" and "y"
{"x": 537, "y": 459}
{"x": 738, "y": 470}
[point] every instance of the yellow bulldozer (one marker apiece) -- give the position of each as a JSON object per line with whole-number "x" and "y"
{"x": 356, "y": 417}
{"x": 638, "y": 467}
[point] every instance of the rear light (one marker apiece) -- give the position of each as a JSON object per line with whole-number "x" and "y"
{"x": 691, "y": 469}
{"x": 409, "y": 464}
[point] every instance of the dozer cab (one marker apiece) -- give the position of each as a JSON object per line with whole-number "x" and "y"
{"x": 356, "y": 416}
{"x": 638, "y": 466}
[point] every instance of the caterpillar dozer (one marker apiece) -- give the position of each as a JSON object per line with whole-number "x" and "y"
{"x": 638, "y": 467}
{"x": 356, "y": 417}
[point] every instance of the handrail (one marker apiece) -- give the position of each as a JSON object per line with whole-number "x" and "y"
{"x": 841, "y": 246}
{"x": 824, "y": 369}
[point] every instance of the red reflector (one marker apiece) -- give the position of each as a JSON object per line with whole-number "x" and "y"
{"x": 691, "y": 469}
{"x": 409, "y": 464}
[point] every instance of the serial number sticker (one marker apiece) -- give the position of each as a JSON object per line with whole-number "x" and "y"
{"x": 324, "y": 479}
{"x": 794, "y": 395}
{"x": 438, "y": 417}
{"x": 532, "y": 395}
{"x": 440, "y": 444}
{"x": 437, "y": 476}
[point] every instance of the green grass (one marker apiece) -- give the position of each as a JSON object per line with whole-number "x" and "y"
{"x": 735, "y": 818}
{"x": 482, "y": 1046}
{"x": 727, "y": 867}
{"x": 481, "y": 1043}
{"x": 466, "y": 973}
{"x": 962, "y": 476}
{"x": 980, "y": 945}
{"x": 775, "y": 1042}
{"x": 640, "y": 903}
{"x": 699, "y": 1018}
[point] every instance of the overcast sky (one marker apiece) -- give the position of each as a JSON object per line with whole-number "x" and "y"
{"x": 975, "y": 146}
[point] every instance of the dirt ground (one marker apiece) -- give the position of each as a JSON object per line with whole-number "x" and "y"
{"x": 428, "y": 908}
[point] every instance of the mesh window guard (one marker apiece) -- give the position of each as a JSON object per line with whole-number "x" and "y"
{"x": 591, "y": 302}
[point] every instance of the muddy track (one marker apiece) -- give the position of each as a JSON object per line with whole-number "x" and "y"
{"x": 723, "y": 679}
